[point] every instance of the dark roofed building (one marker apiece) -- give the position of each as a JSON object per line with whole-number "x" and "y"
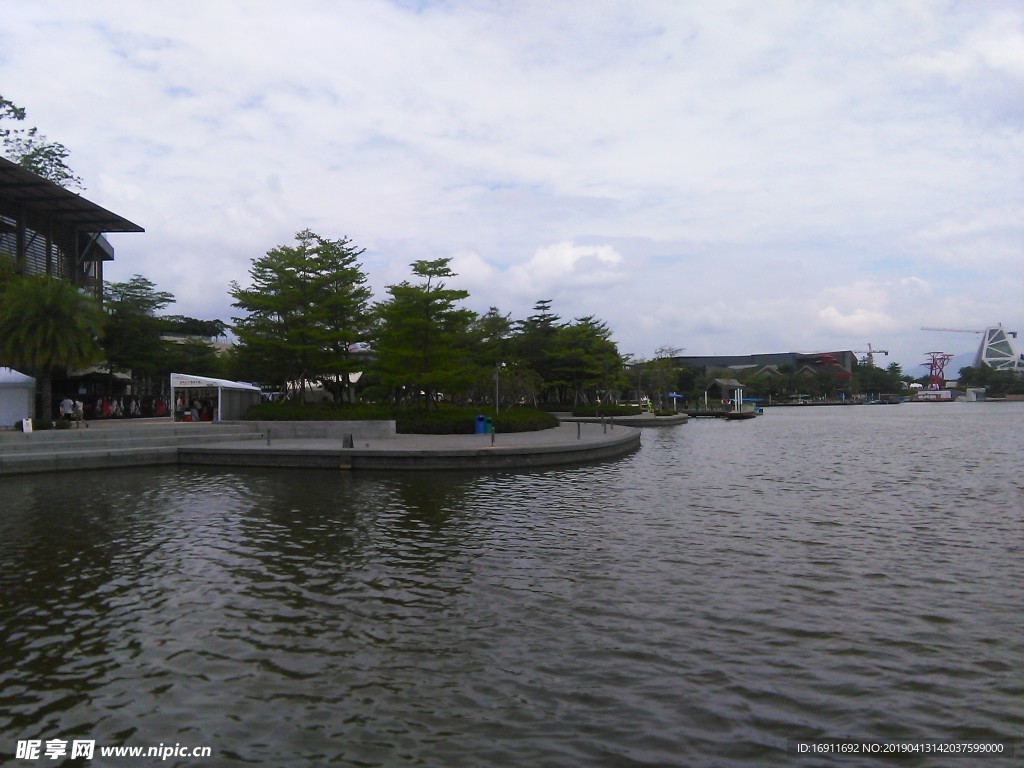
{"x": 840, "y": 362}
{"x": 49, "y": 230}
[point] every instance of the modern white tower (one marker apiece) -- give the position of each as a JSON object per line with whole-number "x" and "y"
{"x": 996, "y": 350}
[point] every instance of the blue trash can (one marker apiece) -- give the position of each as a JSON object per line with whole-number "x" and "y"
{"x": 480, "y": 425}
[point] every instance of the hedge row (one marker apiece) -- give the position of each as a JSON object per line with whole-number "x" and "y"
{"x": 288, "y": 411}
{"x": 409, "y": 421}
{"x": 608, "y": 410}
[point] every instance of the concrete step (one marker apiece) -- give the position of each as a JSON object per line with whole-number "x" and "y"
{"x": 108, "y": 433}
{"x": 97, "y": 458}
{"x": 114, "y": 442}
{"x": 99, "y": 433}
{"x": 112, "y": 448}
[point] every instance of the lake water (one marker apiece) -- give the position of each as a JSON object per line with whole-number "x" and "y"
{"x": 814, "y": 573}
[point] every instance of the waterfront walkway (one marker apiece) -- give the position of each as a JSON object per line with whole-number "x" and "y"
{"x": 331, "y": 445}
{"x": 639, "y": 420}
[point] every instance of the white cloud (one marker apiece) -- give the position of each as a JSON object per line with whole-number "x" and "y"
{"x": 566, "y": 265}
{"x": 857, "y": 322}
{"x": 728, "y": 177}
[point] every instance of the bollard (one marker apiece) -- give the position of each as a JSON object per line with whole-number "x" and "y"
{"x": 577, "y": 430}
{"x": 268, "y": 436}
{"x": 492, "y": 437}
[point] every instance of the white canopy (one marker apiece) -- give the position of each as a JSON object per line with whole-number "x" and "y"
{"x": 234, "y": 398}
{"x": 17, "y": 396}
{"x": 12, "y": 378}
{"x": 187, "y": 381}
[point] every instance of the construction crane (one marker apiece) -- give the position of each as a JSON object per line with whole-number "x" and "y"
{"x": 995, "y": 351}
{"x": 871, "y": 352}
{"x": 964, "y": 330}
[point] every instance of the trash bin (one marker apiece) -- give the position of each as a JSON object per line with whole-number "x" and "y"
{"x": 488, "y": 425}
{"x": 480, "y": 425}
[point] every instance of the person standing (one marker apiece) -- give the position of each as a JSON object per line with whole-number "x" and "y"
{"x": 67, "y": 408}
{"x": 80, "y": 415}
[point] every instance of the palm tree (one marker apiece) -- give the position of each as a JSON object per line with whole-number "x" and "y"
{"x": 45, "y": 324}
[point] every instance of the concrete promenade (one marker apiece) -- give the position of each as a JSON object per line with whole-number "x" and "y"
{"x": 640, "y": 420}
{"x": 373, "y": 446}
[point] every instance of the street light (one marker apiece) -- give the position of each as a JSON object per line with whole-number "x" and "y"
{"x": 497, "y": 397}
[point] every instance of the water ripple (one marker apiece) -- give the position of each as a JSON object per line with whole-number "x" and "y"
{"x": 825, "y": 572}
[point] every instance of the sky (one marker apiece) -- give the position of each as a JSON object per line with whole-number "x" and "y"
{"x": 714, "y": 178}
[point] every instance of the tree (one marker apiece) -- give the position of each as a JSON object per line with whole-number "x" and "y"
{"x": 662, "y": 370}
{"x": 870, "y": 379}
{"x": 585, "y": 359}
{"x": 537, "y": 345}
{"x": 133, "y": 335}
{"x": 688, "y": 381}
{"x": 342, "y": 312}
{"x": 181, "y": 325}
{"x": 140, "y": 341}
{"x": 996, "y": 383}
{"x": 417, "y": 348}
{"x": 491, "y": 334}
{"x": 574, "y": 362}
{"x": 487, "y": 343}
{"x": 33, "y": 151}
{"x": 195, "y": 357}
{"x": 307, "y": 306}
{"x": 46, "y": 324}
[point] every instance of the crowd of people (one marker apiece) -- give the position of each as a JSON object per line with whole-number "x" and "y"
{"x": 78, "y": 409}
{"x": 196, "y": 410}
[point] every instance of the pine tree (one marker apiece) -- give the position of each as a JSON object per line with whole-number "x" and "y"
{"x": 306, "y": 306}
{"x": 418, "y": 346}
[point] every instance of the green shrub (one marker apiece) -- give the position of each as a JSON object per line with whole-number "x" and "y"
{"x": 462, "y": 421}
{"x": 524, "y": 420}
{"x": 442, "y": 422}
{"x": 607, "y": 410}
{"x": 288, "y": 411}
{"x": 446, "y": 420}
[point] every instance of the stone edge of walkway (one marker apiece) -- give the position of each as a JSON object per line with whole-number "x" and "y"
{"x": 565, "y": 444}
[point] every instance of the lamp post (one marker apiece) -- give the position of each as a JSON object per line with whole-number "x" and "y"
{"x": 497, "y": 393}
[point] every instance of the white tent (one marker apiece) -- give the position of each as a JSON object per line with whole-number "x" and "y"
{"x": 230, "y": 398}
{"x": 17, "y": 397}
